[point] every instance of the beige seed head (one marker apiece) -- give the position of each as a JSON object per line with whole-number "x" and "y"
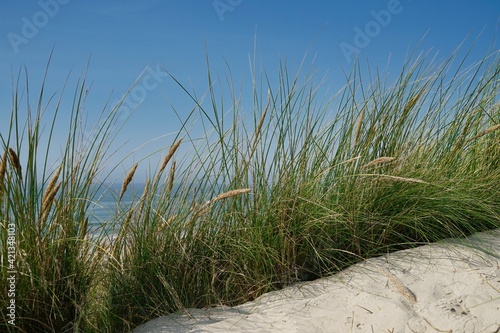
{"x": 169, "y": 155}
{"x": 143, "y": 199}
{"x": 47, "y": 201}
{"x": 3, "y": 169}
{"x": 171, "y": 177}
{"x": 379, "y": 160}
{"x": 52, "y": 184}
{"x": 358, "y": 128}
{"x": 230, "y": 194}
{"x": 261, "y": 123}
{"x": 145, "y": 191}
{"x": 413, "y": 100}
{"x": 127, "y": 180}
{"x": 3, "y": 166}
{"x": 204, "y": 209}
{"x": 486, "y": 131}
{"x": 15, "y": 162}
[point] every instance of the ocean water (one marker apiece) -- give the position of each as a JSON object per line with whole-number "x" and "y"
{"x": 106, "y": 205}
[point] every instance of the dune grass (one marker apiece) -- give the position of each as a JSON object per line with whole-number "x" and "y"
{"x": 297, "y": 188}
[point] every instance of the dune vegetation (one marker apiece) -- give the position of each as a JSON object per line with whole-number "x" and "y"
{"x": 296, "y": 188}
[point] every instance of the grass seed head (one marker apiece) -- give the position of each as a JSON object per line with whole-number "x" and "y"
{"x": 379, "y": 160}
{"x": 230, "y": 194}
{"x": 261, "y": 121}
{"x": 47, "y": 201}
{"x": 485, "y": 132}
{"x": 127, "y": 180}
{"x": 143, "y": 199}
{"x": 169, "y": 155}
{"x": 52, "y": 183}
{"x": 3, "y": 169}
{"x": 171, "y": 177}
{"x": 358, "y": 128}
{"x": 15, "y": 162}
{"x": 413, "y": 100}
{"x": 3, "y": 166}
{"x": 205, "y": 208}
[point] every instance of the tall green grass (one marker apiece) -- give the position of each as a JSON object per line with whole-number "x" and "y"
{"x": 58, "y": 264}
{"x": 296, "y": 188}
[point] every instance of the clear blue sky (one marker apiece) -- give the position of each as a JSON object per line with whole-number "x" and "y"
{"x": 124, "y": 38}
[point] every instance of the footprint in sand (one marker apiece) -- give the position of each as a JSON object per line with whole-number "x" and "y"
{"x": 450, "y": 316}
{"x": 456, "y": 309}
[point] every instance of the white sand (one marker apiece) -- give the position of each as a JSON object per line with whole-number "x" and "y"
{"x": 445, "y": 287}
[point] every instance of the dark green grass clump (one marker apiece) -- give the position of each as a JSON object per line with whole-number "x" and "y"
{"x": 295, "y": 189}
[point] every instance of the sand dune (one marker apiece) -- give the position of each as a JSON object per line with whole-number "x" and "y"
{"x": 451, "y": 286}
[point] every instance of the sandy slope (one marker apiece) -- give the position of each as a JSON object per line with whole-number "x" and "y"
{"x": 445, "y": 287}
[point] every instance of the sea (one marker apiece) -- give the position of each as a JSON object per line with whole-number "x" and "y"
{"x": 107, "y": 203}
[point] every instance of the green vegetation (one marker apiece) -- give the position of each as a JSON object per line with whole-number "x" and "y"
{"x": 297, "y": 188}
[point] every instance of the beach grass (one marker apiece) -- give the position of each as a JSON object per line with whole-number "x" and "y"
{"x": 296, "y": 188}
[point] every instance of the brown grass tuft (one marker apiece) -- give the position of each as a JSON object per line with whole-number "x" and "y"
{"x": 3, "y": 169}
{"x": 127, "y": 180}
{"x": 169, "y": 155}
{"x": 14, "y": 159}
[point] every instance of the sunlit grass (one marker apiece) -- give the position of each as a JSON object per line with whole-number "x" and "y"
{"x": 297, "y": 188}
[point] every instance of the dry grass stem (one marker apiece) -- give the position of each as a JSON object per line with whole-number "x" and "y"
{"x": 85, "y": 226}
{"x": 15, "y": 162}
{"x": 396, "y": 178}
{"x": 486, "y": 131}
{"x": 165, "y": 223}
{"x": 379, "y": 160}
{"x": 127, "y": 180}
{"x": 169, "y": 155}
{"x": 354, "y": 159}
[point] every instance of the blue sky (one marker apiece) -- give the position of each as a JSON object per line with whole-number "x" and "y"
{"x": 123, "y": 39}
